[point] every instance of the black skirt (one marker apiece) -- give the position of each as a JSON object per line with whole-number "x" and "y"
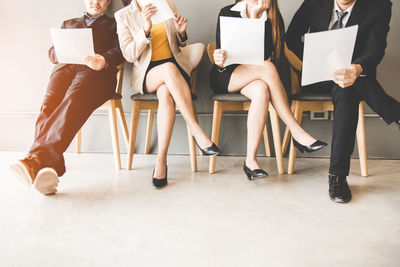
{"x": 159, "y": 62}
{"x": 219, "y": 81}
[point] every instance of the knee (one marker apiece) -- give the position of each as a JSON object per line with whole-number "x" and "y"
{"x": 269, "y": 70}
{"x": 340, "y": 95}
{"x": 48, "y": 106}
{"x": 164, "y": 95}
{"x": 260, "y": 92}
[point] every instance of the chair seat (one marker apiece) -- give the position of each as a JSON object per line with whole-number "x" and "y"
{"x": 230, "y": 98}
{"x": 305, "y": 96}
{"x": 151, "y": 97}
{"x": 116, "y": 96}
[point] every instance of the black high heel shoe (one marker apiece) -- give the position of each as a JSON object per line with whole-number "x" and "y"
{"x": 317, "y": 145}
{"x": 160, "y": 183}
{"x": 208, "y": 151}
{"x": 253, "y": 174}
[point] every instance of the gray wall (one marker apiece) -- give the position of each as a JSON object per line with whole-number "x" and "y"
{"x": 25, "y": 71}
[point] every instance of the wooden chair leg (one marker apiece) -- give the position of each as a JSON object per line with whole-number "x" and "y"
{"x": 122, "y": 119}
{"x": 192, "y": 150}
{"x": 266, "y": 140}
{"x": 361, "y": 142}
{"x": 298, "y": 114}
{"x": 149, "y": 130}
{"x": 78, "y": 141}
{"x": 216, "y": 125}
{"x": 133, "y": 132}
{"x": 277, "y": 138}
{"x": 286, "y": 136}
{"x": 112, "y": 116}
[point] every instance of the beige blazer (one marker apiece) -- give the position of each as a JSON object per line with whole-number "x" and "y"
{"x": 136, "y": 47}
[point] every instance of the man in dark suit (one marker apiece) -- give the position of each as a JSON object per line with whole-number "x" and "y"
{"x": 73, "y": 93}
{"x": 352, "y": 85}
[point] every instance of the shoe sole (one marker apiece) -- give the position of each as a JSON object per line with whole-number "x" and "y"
{"x": 160, "y": 187}
{"x": 46, "y": 181}
{"x": 341, "y": 201}
{"x": 21, "y": 172}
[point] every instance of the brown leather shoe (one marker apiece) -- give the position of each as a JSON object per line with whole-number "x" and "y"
{"x": 25, "y": 170}
{"x": 29, "y": 171}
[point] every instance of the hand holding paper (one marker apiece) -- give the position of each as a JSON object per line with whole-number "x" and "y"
{"x": 327, "y": 52}
{"x": 163, "y": 11}
{"x": 243, "y": 39}
{"x": 220, "y": 57}
{"x": 72, "y": 46}
{"x": 147, "y": 12}
{"x": 96, "y": 62}
{"x": 346, "y": 77}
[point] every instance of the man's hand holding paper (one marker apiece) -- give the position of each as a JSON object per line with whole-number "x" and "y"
{"x": 328, "y": 55}
{"x": 96, "y": 62}
{"x": 346, "y": 77}
{"x": 72, "y": 46}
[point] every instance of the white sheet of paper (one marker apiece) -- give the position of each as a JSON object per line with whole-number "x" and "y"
{"x": 163, "y": 13}
{"x": 72, "y": 45}
{"x": 325, "y": 52}
{"x": 243, "y": 39}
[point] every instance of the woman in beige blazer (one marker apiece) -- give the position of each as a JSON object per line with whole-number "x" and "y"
{"x": 160, "y": 67}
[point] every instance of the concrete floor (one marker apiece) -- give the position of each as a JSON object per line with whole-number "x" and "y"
{"x": 102, "y": 217}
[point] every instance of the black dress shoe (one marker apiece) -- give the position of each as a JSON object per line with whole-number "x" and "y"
{"x": 339, "y": 190}
{"x": 160, "y": 183}
{"x": 253, "y": 174}
{"x": 208, "y": 151}
{"x": 317, "y": 145}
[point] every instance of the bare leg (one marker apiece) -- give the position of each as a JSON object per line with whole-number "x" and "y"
{"x": 169, "y": 75}
{"x": 165, "y": 124}
{"x": 244, "y": 74}
{"x": 258, "y": 92}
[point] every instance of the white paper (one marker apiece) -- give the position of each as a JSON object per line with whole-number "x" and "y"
{"x": 72, "y": 45}
{"x": 243, "y": 39}
{"x": 163, "y": 13}
{"x": 325, "y": 52}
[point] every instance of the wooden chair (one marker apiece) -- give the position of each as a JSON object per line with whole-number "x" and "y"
{"x": 194, "y": 53}
{"x": 238, "y": 102}
{"x": 303, "y": 101}
{"x": 113, "y": 107}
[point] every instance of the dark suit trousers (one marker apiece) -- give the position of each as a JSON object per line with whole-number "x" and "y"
{"x": 346, "y": 101}
{"x": 73, "y": 93}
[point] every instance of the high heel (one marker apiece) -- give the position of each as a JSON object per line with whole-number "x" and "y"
{"x": 208, "y": 151}
{"x": 317, "y": 145}
{"x": 160, "y": 183}
{"x": 252, "y": 174}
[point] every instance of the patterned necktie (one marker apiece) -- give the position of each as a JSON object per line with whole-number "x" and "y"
{"x": 339, "y": 23}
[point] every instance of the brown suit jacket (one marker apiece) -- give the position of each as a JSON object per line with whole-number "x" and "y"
{"x": 105, "y": 41}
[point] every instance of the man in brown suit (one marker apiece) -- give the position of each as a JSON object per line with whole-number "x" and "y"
{"x": 73, "y": 93}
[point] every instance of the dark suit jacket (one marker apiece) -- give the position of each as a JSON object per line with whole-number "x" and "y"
{"x": 105, "y": 40}
{"x": 372, "y": 16}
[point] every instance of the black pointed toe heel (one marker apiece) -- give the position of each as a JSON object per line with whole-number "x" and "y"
{"x": 254, "y": 174}
{"x": 317, "y": 145}
{"x": 160, "y": 183}
{"x": 208, "y": 151}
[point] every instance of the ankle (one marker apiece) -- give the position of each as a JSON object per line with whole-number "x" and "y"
{"x": 161, "y": 161}
{"x": 252, "y": 163}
